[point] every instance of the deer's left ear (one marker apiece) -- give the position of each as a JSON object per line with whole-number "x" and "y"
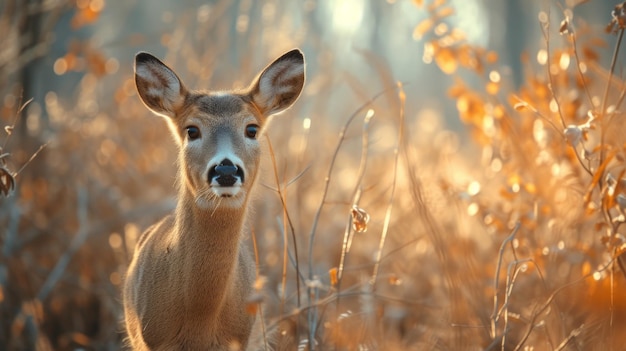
{"x": 158, "y": 86}
{"x": 280, "y": 83}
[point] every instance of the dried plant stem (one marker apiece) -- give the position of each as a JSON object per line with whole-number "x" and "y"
{"x": 580, "y": 160}
{"x": 312, "y": 312}
{"x": 516, "y": 267}
{"x": 580, "y": 72}
{"x": 573, "y": 334}
{"x": 545, "y": 29}
{"x": 353, "y": 291}
{"x": 258, "y": 274}
{"x": 32, "y": 157}
{"x": 539, "y": 114}
{"x": 287, "y": 218}
{"x": 603, "y": 124}
{"x": 496, "y": 280}
{"x": 18, "y": 113}
{"x": 620, "y": 100}
{"x": 348, "y": 233}
{"x": 548, "y": 302}
{"x": 396, "y": 153}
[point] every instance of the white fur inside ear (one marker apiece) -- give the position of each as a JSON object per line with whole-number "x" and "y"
{"x": 159, "y": 83}
{"x": 278, "y": 80}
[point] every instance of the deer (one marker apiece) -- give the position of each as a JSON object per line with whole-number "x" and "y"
{"x": 191, "y": 273}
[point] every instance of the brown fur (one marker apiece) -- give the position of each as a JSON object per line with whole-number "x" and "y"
{"x": 191, "y": 274}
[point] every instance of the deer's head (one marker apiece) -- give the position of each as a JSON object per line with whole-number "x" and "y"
{"x": 218, "y": 132}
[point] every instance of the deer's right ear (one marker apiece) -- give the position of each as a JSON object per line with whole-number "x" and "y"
{"x": 158, "y": 86}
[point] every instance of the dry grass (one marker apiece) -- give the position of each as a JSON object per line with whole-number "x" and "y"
{"x": 382, "y": 231}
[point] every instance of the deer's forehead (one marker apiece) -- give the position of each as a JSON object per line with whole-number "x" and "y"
{"x": 217, "y": 105}
{"x": 217, "y": 111}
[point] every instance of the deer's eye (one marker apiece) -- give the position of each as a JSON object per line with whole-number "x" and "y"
{"x": 251, "y": 131}
{"x": 193, "y": 132}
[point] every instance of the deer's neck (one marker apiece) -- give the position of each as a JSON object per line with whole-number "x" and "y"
{"x": 207, "y": 241}
{"x": 219, "y": 227}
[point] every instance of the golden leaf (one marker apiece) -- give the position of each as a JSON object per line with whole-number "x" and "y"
{"x": 444, "y": 12}
{"x": 520, "y": 106}
{"x": 491, "y": 57}
{"x": 422, "y": 28}
{"x": 85, "y": 16}
{"x": 394, "y": 280}
{"x": 599, "y": 226}
{"x": 597, "y": 176}
{"x": 456, "y": 91}
{"x": 333, "y": 273}
{"x": 253, "y": 302}
{"x": 530, "y": 188}
{"x": 492, "y": 88}
{"x": 446, "y": 60}
{"x": 586, "y": 268}
{"x": 437, "y": 3}
{"x": 590, "y": 54}
{"x": 471, "y": 109}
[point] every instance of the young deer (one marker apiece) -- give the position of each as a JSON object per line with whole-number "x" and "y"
{"x": 191, "y": 274}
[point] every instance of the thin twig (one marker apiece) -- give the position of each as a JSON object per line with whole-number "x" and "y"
{"x": 32, "y": 157}
{"x": 496, "y": 280}
{"x": 312, "y": 314}
{"x": 580, "y": 72}
{"x": 258, "y": 275}
{"x": 18, "y": 113}
{"x": 545, "y": 29}
{"x": 515, "y": 266}
{"x": 552, "y": 296}
{"x": 535, "y": 111}
{"x": 291, "y": 227}
{"x": 345, "y": 248}
{"x": 387, "y": 221}
{"x": 603, "y": 124}
{"x": 573, "y": 334}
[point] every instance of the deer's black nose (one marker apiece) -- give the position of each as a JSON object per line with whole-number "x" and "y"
{"x": 226, "y": 168}
{"x": 226, "y": 173}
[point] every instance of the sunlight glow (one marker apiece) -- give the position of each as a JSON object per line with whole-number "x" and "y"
{"x": 496, "y": 165}
{"x": 473, "y": 188}
{"x": 347, "y": 15}
{"x": 542, "y": 57}
{"x": 472, "y": 209}
{"x": 564, "y": 61}
{"x": 466, "y": 15}
{"x": 494, "y": 76}
{"x": 597, "y": 276}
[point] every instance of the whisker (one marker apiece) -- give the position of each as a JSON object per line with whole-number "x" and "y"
{"x": 219, "y": 201}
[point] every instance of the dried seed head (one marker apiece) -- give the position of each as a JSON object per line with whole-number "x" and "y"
{"x": 565, "y": 28}
{"x": 7, "y": 182}
{"x": 573, "y": 134}
{"x": 360, "y": 218}
{"x": 618, "y": 20}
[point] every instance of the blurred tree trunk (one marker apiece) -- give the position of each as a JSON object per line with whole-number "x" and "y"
{"x": 27, "y": 35}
